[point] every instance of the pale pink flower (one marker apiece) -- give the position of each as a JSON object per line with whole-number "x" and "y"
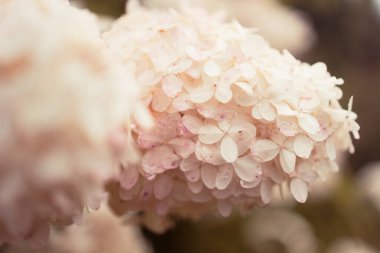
{"x": 234, "y": 117}
{"x": 65, "y": 105}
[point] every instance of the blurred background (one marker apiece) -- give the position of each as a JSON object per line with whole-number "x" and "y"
{"x": 342, "y": 214}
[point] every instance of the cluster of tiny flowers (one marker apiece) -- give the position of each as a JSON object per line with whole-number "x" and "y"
{"x": 63, "y": 108}
{"x": 233, "y": 116}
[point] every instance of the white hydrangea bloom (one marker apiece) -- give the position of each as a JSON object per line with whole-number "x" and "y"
{"x": 234, "y": 117}
{"x": 64, "y": 102}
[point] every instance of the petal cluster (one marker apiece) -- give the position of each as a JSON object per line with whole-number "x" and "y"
{"x": 233, "y": 116}
{"x": 64, "y": 101}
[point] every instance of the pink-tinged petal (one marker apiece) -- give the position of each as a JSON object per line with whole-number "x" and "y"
{"x": 183, "y": 147}
{"x": 210, "y": 134}
{"x": 159, "y": 159}
{"x": 299, "y": 190}
{"x": 203, "y": 197}
{"x": 160, "y": 101}
{"x": 192, "y": 123}
{"x": 208, "y": 175}
{"x": 287, "y": 160}
{"x": 193, "y": 176}
{"x": 182, "y": 102}
{"x": 163, "y": 186}
{"x": 264, "y": 150}
{"x": 242, "y": 131}
{"x": 224, "y": 208}
{"x": 171, "y": 85}
{"x": 303, "y": 146}
{"x": 252, "y": 184}
{"x": 254, "y": 46}
{"x": 306, "y": 172}
{"x": 190, "y": 164}
{"x": 149, "y": 77}
{"x": 208, "y": 153}
{"x": 228, "y": 149}
{"x": 288, "y": 125}
{"x": 162, "y": 207}
{"x": 224, "y": 176}
{"x": 330, "y": 149}
{"x": 223, "y": 95}
{"x": 129, "y": 194}
{"x": 211, "y": 68}
{"x": 248, "y": 71}
{"x": 229, "y": 77}
{"x": 129, "y": 177}
{"x": 226, "y": 193}
{"x": 308, "y": 123}
{"x": 247, "y": 168}
{"x": 148, "y": 140}
{"x": 195, "y": 187}
{"x": 202, "y": 94}
{"x": 267, "y": 110}
{"x": 266, "y": 191}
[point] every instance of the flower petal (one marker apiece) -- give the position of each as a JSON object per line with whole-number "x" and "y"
{"x": 247, "y": 70}
{"x": 330, "y": 149}
{"x": 224, "y": 176}
{"x": 247, "y": 168}
{"x": 264, "y": 150}
{"x": 182, "y": 146}
{"x": 287, "y": 160}
{"x": 159, "y": 159}
{"x": 149, "y": 77}
{"x": 163, "y": 186}
{"x": 211, "y": 68}
{"x": 208, "y": 153}
{"x": 160, "y": 101}
{"x": 208, "y": 175}
{"x": 266, "y": 191}
{"x": 228, "y": 149}
{"x": 267, "y": 110}
{"x": 192, "y": 123}
{"x": 303, "y": 146}
{"x": 210, "y": 134}
{"x": 308, "y": 123}
{"x": 129, "y": 177}
{"x": 193, "y": 176}
{"x": 242, "y": 131}
{"x": 229, "y": 77}
{"x": 171, "y": 85}
{"x": 190, "y": 164}
{"x": 224, "y": 208}
{"x": 288, "y": 125}
{"x": 223, "y": 95}
{"x": 299, "y": 190}
{"x": 202, "y": 94}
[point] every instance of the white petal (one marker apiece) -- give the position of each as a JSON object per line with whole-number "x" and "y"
{"x": 267, "y": 110}
{"x": 249, "y": 185}
{"x": 171, "y": 85}
{"x": 264, "y": 150}
{"x": 195, "y": 187}
{"x": 303, "y": 146}
{"x": 287, "y": 160}
{"x": 210, "y": 134}
{"x": 242, "y": 131}
{"x": 202, "y": 94}
{"x": 330, "y": 149}
{"x": 149, "y": 77}
{"x": 192, "y": 123}
{"x": 229, "y": 77}
{"x": 299, "y": 190}
{"x": 211, "y": 68}
{"x": 208, "y": 175}
{"x": 224, "y": 176}
{"x": 223, "y": 95}
{"x": 247, "y": 70}
{"x": 163, "y": 186}
{"x": 308, "y": 123}
{"x": 183, "y": 147}
{"x": 306, "y": 172}
{"x": 247, "y": 169}
{"x": 228, "y": 149}
{"x": 288, "y": 125}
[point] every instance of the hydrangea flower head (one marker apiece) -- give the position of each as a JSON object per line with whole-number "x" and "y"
{"x": 64, "y": 105}
{"x": 233, "y": 116}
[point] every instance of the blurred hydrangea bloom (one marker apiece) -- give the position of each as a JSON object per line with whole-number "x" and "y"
{"x": 283, "y": 228}
{"x": 281, "y": 26}
{"x": 64, "y": 105}
{"x": 101, "y": 232}
{"x": 350, "y": 245}
{"x": 233, "y": 116}
{"x": 368, "y": 182}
